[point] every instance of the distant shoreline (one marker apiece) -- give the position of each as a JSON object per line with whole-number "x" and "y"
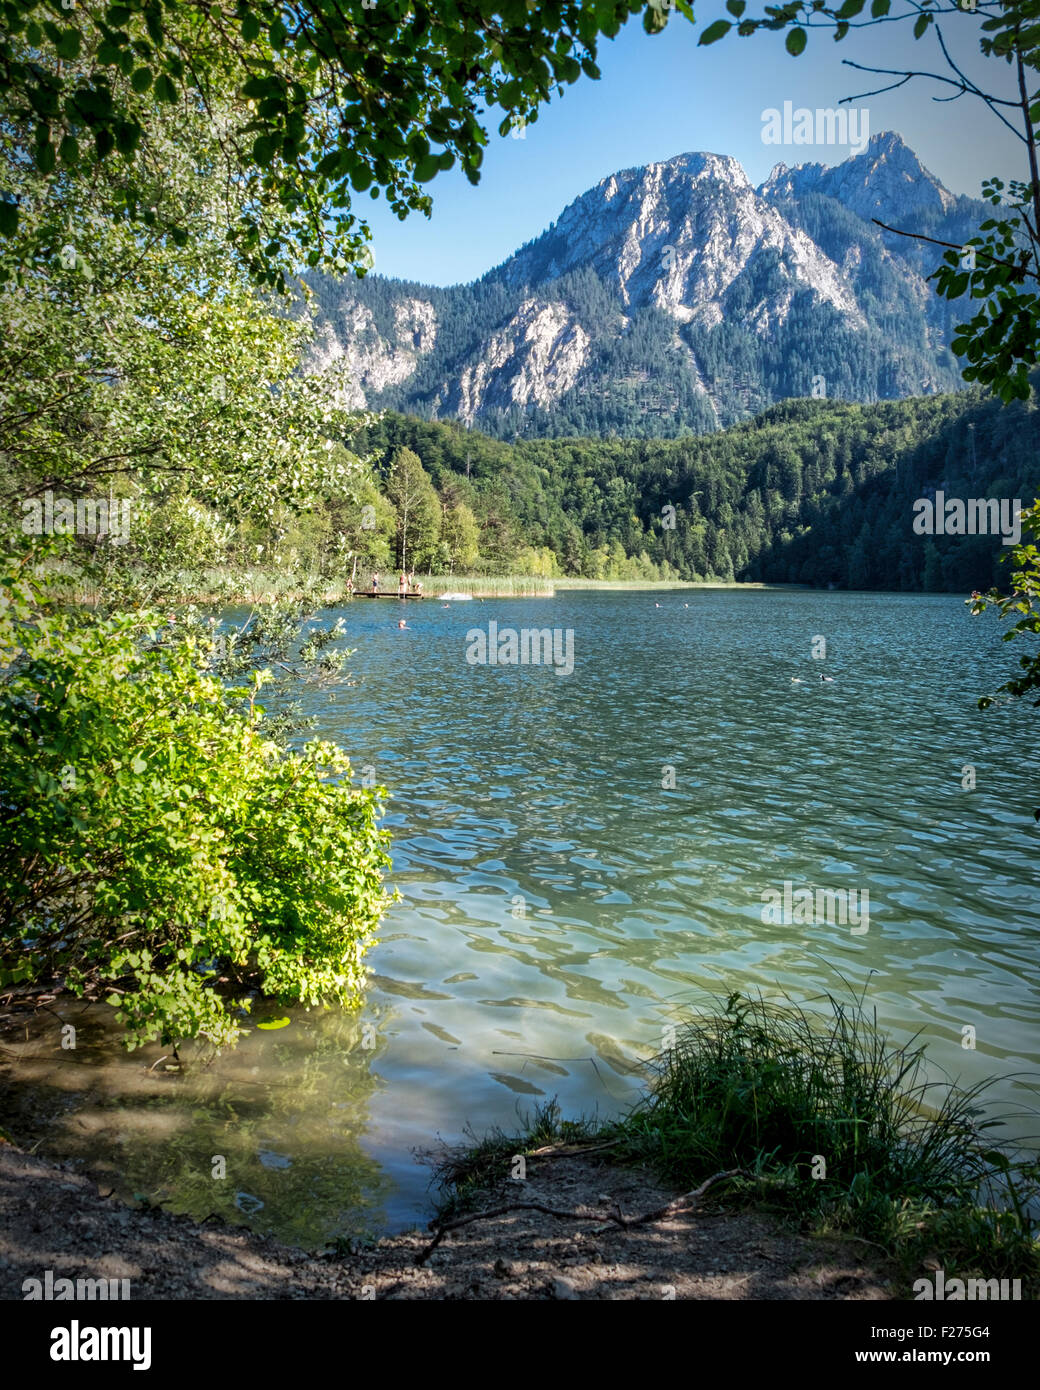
{"x": 259, "y": 587}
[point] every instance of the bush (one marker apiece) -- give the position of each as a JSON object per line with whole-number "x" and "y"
{"x": 157, "y": 843}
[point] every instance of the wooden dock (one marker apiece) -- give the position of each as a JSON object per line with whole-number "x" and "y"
{"x": 385, "y": 593}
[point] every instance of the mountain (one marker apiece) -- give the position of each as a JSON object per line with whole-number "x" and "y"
{"x": 670, "y": 299}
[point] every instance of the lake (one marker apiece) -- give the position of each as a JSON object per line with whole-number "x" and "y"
{"x": 583, "y": 857}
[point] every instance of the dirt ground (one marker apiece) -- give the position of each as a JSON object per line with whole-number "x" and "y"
{"x": 56, "y": 1219}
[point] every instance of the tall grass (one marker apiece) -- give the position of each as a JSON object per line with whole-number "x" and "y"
{"x": 489, "y": 586}
{"x": 843, "y": 1127}
{"x": 754, "y": 1084}
{"x": 829, "y": 1122}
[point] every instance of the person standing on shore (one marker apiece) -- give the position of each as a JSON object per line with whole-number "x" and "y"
{"x": 402, "y": 585}
{"x": 375, "y": 583}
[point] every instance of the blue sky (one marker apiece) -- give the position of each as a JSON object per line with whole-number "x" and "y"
{"x": 663, "y": 95}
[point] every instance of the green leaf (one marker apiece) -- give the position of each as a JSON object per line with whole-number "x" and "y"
{"x": 67, "y": 45}
{"x": 736, "y": 7}
{"x": 796, "y": 41}
{"x": 128, "y": 133}
{"x": 263, "y": 149}
{"x": 8, "y": 218}
{"x": 273, "y": 1023}
{"x": 716, "y": 31}
{"x": 921, "y": 24}
{"x": 879, "y": 8}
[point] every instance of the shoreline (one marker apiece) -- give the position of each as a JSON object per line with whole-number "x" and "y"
{"x": 706, "y": 1253}
{"x": 259, "y": 588}
{"x": 573, "y": 1210}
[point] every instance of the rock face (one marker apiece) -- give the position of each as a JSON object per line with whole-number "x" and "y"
{"x": 677, "y": 235}
{"x": 536, "y": 357}
{"x": 673, "y": 297}
{"x": 886, "y": 178}
{"x": 372, "y": 362}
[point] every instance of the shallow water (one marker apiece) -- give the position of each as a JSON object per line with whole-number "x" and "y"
{"x": 561, "y": 907}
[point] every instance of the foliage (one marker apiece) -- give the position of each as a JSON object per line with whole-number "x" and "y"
{"x": 1024, "y": 600}
{"x": 460, "y": 538}
{"x": 321, "y": 103}
{"x": 810, "y": 492}
{"x": 157, "y": 843}
{"x": 417, "y": 508}
{"x": 133, "y": 359}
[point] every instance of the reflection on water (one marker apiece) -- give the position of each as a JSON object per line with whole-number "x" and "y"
{"x": 562, "y": 901}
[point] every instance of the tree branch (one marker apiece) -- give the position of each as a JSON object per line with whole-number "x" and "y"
{"x": 658, "y": 1214}
{"x": 1019, "y": 269}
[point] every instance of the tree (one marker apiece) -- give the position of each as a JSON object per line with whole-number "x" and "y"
{"x": 142, "y": 361}
{"x": 932, "y": 581}
{"x": 320, "y": 102}
{"x": 409, "y": 488}
{"x": 157, "y": 832}
{"x": 1000, "y": 267}
{"x": 460, "y": 536}
{"x": 365, "y": 523}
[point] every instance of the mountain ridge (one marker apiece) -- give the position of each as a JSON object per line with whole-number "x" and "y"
{"x": 671, "y": 298}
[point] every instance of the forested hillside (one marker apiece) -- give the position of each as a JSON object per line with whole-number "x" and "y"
{"x": 810, "y": 492}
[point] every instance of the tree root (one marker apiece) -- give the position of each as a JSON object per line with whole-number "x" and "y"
{"x": 614, "y": 1218}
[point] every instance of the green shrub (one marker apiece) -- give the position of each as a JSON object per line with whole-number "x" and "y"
{"x": 157, "y": 844}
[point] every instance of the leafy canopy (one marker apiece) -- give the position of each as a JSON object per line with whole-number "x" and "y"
{"x": 321, "y": 101}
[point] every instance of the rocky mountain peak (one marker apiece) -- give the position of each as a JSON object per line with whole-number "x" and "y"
{"x": 886, "y": 181}
{"x": 672, "y": 296}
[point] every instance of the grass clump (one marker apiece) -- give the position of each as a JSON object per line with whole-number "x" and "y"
{"x": 844, "y": 1129}
{"x": 832, "y": 1125}
{"x": 469, "y": 1174}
